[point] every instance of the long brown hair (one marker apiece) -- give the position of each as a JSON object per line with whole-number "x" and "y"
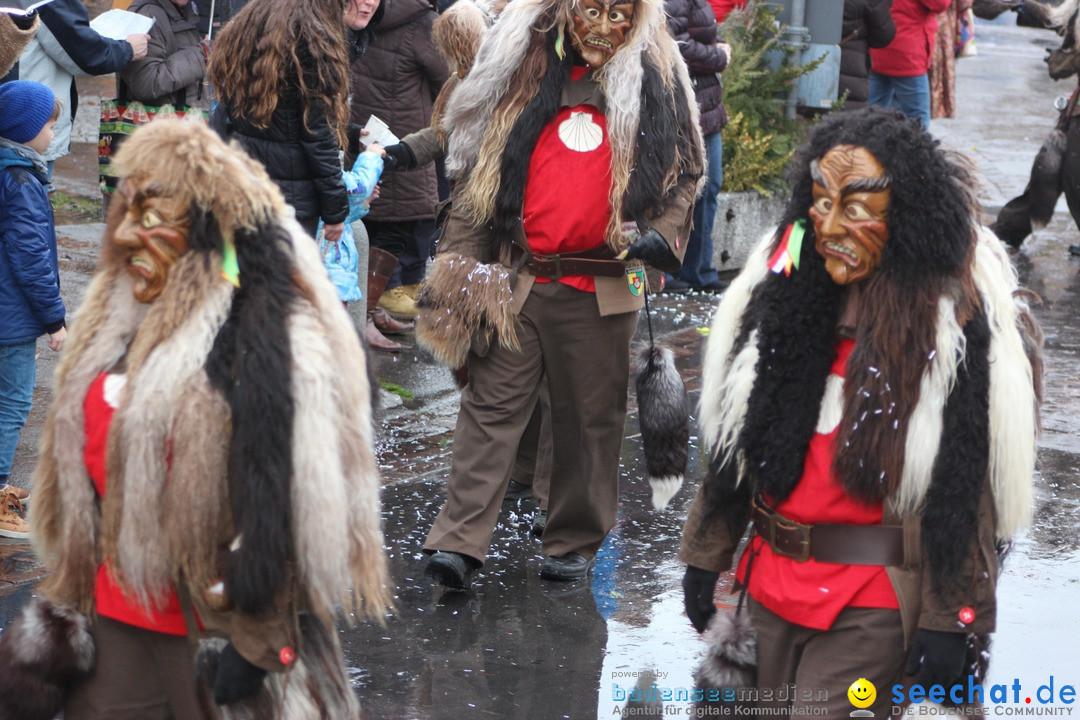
{"x": 272, "y": 43}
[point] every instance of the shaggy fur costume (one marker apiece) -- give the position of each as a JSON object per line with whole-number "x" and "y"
{"x": 513, "y": 90}
{"x": 939, "y": 362}
{"x": 41, "y": 654}
{"x": 238, "y": 437}
{"x": 12, "y": 41}
{"x": 494, "y": 118}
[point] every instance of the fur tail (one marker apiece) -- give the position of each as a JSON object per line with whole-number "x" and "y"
{"x": 664, "y": 415}
{"x": 314, "y": 687}
{"x": 41, "y": 654}
{"x": 730, "y": 661}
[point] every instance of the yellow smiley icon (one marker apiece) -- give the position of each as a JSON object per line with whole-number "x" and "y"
{"x": 862, "y": 693}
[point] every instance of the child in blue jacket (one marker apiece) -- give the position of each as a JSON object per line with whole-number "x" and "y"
{"x": 30, "y": 304}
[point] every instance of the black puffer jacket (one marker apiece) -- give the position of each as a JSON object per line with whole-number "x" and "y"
{"x": 693, "y": 25}
{"x": 867, "y": 24}
{"x": 304, "y": 162}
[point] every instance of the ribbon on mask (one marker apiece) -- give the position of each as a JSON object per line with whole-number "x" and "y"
{"x": 788, "y": 252}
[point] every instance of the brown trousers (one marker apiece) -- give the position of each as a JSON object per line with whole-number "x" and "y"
{"x": 533, "y": 463}
{"x": 862, "y": 643}
{"x": 138, "y": 675}
{"x": 586, "y": 359}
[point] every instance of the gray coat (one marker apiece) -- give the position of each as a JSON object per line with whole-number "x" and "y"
{"x": 172, "y": 71}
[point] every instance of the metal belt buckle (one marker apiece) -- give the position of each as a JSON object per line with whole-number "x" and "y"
{"x": 775, "y": 521}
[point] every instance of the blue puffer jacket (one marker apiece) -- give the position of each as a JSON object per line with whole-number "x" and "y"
{"x": 30, "y": 303}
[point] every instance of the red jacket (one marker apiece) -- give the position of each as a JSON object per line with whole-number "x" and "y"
{"x": 909, "y": 52}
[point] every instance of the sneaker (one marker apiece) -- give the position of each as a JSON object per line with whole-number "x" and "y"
{"x": 539, "y": 523}
{"x": 450, "y": 569}
{"x": 517, "y": 491}
{"x": 18, "y": 492}
{"x": 565, "y": 568}
{"x": 398, "y": 302}
{"x": 11, "y": 525}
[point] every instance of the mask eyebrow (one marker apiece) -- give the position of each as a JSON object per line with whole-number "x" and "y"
{"x": 817, "y": 176}
{"x": 874, "y": 184}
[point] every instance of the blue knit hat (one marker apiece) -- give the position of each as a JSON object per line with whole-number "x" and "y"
{"x": 25, "y": 107}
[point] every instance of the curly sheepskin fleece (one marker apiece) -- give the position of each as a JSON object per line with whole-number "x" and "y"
{"x": 176, "y": 461}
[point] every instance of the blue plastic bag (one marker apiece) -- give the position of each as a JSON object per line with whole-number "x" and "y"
{"x": 342, "y": 264}
{"x": 341, "y": 258}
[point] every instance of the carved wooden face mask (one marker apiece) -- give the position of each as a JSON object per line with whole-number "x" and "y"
{"x": 600, "y": 28}
{"x": 152, "y": 235}
{"x": 850, "y": 212}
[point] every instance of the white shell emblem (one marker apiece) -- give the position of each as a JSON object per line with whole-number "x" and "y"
{"x": 579, "y": 133}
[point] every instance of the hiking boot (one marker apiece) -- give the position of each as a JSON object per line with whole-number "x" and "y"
{"x": 21, "y": 494}
{"x": 412, "y": 291}
{"x": 11, "y": 525}
{"x": 565, "y": 568}
{"x": 450, "y": 569}
{"x": 397, "y": 302}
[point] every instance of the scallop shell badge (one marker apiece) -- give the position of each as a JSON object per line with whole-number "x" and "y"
{"x": 579, "y": 133}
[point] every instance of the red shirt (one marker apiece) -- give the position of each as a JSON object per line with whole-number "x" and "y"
{"x": 100, "y": 404}
{"x": 813, "y": 593}
{"x": 723, "y": 7}
{"x": 567, "y": 205}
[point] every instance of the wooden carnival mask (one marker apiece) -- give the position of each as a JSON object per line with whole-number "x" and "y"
{"x": 600, "y": 28}
{"x": 850, "y": 212}
{"x": 152, "y": 236}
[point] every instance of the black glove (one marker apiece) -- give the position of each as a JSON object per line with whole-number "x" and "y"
{"x": 399, "y": 157}
{"x": 698, "y": 587}
{"x": 236, "y": 678}
{"x": 651, "y": 247}
{"x": 938, "y": 657}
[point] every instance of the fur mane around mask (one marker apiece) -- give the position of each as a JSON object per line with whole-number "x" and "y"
{"x": 232, "y": 423}
{"x": 496, "y": 114}
{"x": 924, "y": 409}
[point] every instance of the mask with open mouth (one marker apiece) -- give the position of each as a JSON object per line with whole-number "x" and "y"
{"x": 600, "y": 28}
{"x": 153, "y": 235}
{"x": 850, "y": 212}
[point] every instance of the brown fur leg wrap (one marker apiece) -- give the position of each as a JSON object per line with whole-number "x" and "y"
{"x": 460, "y": 297}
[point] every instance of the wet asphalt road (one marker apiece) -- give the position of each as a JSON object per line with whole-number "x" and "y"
{"x": 519, "y": 647}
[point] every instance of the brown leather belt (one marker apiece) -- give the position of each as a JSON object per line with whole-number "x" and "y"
{"x": 598, "y": 261}
{"x": 843, "y": 544}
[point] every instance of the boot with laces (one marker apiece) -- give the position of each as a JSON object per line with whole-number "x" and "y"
{"x": 11, "y": 524}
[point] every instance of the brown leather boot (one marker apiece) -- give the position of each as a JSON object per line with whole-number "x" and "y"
{"x": 381, "y": 266}
{"x": 387, "y": 323}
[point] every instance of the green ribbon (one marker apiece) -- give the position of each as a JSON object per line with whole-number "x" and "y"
{"x": 798, "y": 230}
{"x": 230, "y": 267}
